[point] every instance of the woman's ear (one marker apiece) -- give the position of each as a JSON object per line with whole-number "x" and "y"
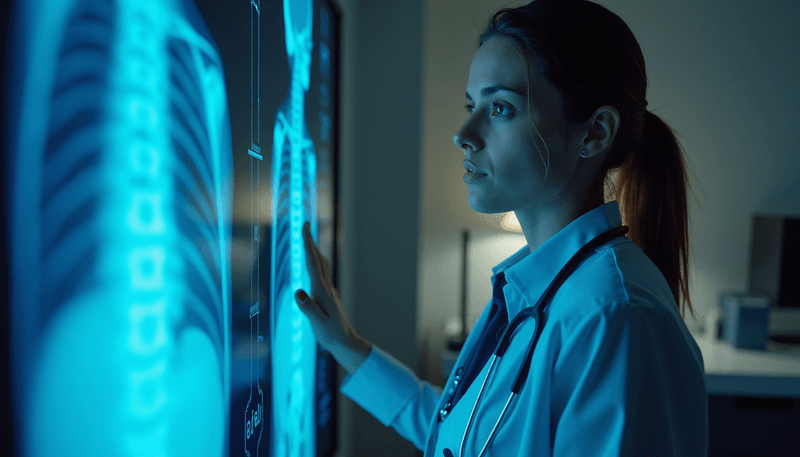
{"x": 602, "y": 128}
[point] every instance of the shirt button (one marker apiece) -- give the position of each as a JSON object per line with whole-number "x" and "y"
{"x": 444, "y": 411}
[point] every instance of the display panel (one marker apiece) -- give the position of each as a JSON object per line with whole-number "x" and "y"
{"x": 283, "y": 125}
{"x": 120, "y": 232}
{"x": 152, "y": 267}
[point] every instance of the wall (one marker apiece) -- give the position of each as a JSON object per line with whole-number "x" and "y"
{"x": 722, "y": 73}
{"x": 379, "y": 163}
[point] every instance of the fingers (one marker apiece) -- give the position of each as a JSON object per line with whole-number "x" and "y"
{"x": 312, "y": 262}
{"x": 307, "y": 305}
{"x": 311, "y": 248}
{"x": 313, "y": 254}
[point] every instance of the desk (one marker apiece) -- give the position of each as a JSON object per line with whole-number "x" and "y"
{"x": 773, "y": 372}
{"x": 753, "y": 399}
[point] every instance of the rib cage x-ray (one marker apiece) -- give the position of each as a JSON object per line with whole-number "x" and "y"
{"x": 154, "y": 245}
{"x": 120, "y": 227}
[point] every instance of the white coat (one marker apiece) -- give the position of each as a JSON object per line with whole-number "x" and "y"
{"x": 615, "y": 371}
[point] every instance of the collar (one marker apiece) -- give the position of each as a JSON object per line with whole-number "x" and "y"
{"x": 529, "y": 273}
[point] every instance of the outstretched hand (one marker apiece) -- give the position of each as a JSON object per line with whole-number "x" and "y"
{"x": 323, "y": 307}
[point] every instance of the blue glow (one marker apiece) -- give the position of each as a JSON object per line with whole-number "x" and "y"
{"x": 255, "y": 154}
{"x": 324, "y": 24}
{"x": 324, "y": 58}
{"x": 294, "y": 202}
{"x": 121, "y": 233}
{"x": 149, "y": 327}
{"x": 254, "y": 410}
{"x": 146, "y": 216}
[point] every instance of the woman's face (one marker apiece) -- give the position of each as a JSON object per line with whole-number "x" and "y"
{"x": 500, "y": 141}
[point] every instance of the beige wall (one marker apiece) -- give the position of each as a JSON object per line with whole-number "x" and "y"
{"x": 379, "y": 163}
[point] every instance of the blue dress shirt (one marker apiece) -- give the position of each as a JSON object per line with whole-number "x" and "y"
{"x": 615, "y": 371}
{"x": 498, "y": 320}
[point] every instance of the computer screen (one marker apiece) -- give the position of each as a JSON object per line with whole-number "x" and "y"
{"x": 157, "y": 172}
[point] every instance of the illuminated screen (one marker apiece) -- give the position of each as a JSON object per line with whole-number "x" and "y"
{"x": 283, "y": 124}
{"x": 164, "y": 157}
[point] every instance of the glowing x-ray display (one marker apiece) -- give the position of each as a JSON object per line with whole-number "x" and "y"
{"x": 120, "y": 232}
{"x": 288, "y": 179}
{"x": 152, "y": 269}
{"x": 282, "y": 78}
{"x": 294, "y": 193}
{"x": 253, "y": 424}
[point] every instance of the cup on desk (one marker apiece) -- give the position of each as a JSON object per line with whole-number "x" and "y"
{"x": 746, "y": 318}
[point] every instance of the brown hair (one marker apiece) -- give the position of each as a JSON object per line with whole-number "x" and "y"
{"x": 591, "y": 56}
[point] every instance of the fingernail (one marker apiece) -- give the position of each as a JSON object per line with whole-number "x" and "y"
{"x": 301, "y": 296}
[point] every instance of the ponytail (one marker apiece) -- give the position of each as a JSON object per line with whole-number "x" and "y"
{"x": 645, "y": 155}
{"x": 651, "y": 189}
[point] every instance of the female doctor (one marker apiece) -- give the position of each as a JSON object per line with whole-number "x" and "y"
{"x": 597, "y": 358}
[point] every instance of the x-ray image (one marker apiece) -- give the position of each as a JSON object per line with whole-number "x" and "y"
{"x": 163, "y": 158}
{"x": 120, "y": 232}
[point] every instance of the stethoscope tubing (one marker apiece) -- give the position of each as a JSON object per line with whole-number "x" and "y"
{"x": 472, "y": 413}
{"x": 495, "y": 359}
{"x": 496, "y": 424}
{"x": 537, "y": 312}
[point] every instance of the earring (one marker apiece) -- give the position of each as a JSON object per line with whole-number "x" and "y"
{"x": 584, "y": 154}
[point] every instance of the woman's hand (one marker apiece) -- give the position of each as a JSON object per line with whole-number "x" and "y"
{"x": 325, "y": 312}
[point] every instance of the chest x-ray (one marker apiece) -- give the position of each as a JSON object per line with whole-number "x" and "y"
{"x": 155, "y": 241}
{"x": 120, "y": 252}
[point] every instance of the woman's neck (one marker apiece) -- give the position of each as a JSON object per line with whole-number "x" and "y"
{"x": 540, "y": 223}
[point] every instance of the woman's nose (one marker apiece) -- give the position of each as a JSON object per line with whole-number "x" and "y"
{"x": 467, "y": 136}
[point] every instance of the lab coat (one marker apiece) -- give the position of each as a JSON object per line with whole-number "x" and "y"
{"x": 615, "y": 371}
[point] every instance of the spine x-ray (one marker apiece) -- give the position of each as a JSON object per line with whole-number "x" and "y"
{"x": 164, "y": 158}
{"x": 120, "y": 232}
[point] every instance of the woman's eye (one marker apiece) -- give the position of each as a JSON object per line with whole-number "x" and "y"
{"x": 499, "y": 110}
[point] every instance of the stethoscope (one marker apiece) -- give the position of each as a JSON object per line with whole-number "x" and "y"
{"x": 537, "y": 312}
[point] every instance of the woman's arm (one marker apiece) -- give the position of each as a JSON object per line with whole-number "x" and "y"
{"x": 352, "y": 354}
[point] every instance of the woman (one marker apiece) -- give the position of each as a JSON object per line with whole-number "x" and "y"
{"x": 555, "y": 103}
